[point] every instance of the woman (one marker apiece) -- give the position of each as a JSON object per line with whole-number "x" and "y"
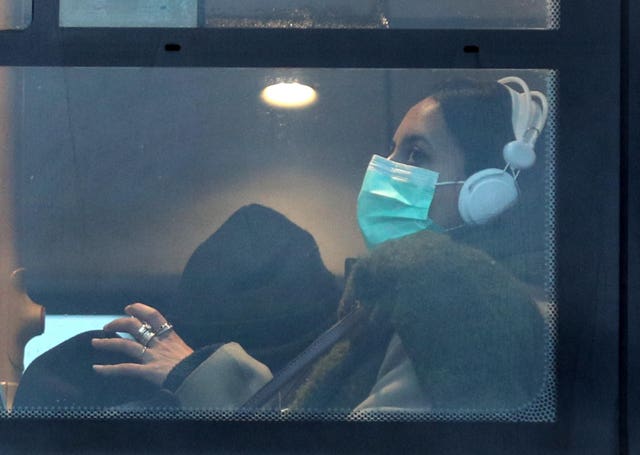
{"x": 441, "y": 325}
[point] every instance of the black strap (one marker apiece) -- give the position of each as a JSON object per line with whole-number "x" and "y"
{"x": 321, "y": 345}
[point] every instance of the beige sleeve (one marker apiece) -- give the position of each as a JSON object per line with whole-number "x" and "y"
{"x": 225, "y": 380}
{"x": 397, "y": 387}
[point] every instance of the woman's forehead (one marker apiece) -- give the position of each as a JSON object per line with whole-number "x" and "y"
{"x": 426, "y": 106}
{"x": 423, "y": 117}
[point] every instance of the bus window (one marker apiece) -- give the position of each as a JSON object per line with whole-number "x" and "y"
{"x": 15, "y": 14}
{"x": 334, "y": 14}
{"x": 129, "y": 13}
{"x": 236, "y": 217}
{"x": 402, "y": 14}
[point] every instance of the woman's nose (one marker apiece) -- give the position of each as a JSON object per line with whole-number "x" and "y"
{"x": 395, "y": 156}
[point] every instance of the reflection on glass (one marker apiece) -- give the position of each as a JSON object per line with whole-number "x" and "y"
{"x": 504, "y": 14}
{"x": 290, "y": 95}
{"x": 15, "y": 14}
{"x": 379, "y": 225}
{"x": 400, "y": 14}
{"x": 295, "y": 14}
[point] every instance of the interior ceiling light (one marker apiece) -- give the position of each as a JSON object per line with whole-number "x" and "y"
{"x": 289, "y": 95}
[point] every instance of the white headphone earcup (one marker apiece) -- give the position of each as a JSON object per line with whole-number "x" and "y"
{"x": 485, "y": 195}
{"x": 519, "y": 154}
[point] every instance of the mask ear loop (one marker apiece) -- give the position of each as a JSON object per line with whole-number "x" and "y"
{"x": 451, "y": 182}
{"x": 455, "y": 228}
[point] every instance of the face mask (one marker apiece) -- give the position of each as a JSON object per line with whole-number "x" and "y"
{"x": 394, "y": 200}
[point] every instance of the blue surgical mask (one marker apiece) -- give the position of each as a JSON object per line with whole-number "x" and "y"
{"x": 394, "y": 200}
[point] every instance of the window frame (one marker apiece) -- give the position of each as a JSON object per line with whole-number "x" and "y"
{"x": 592, "y": 406}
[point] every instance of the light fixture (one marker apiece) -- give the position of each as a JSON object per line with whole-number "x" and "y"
{"x": 289, "y": 95}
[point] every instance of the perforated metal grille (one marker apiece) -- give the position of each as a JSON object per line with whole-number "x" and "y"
{"x": 553, "y": 14}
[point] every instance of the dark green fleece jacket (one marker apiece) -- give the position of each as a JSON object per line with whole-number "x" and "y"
{"x": 472, "y": 332}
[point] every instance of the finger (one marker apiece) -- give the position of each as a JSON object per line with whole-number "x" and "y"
{"x": 120, "y": 345}
{"x": 146, "y": 313}
{"x": 121, "y": 369}
{"x": 129, "y": 325}
{"x": 132, "y": 326}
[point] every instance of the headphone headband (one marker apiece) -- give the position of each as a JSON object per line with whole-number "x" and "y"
{"x": 529, "y": 110}
{"x": 490, "y": 192}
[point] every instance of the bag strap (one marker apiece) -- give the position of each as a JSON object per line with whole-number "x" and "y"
{"x": 321, "y": 345}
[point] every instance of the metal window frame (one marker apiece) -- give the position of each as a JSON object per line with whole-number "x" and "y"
{"x": 595, "y": 283}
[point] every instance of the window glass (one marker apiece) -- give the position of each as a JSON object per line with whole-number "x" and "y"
{"x": 503, "y": 14}
{"x": 264, "y": 217}
{"x": 296, "y": 14}
{"x": 382, "y": 14}
{"x": 128, "y": 13}
{"x": 484, "y": 14}
{"x": 15, "y": 14}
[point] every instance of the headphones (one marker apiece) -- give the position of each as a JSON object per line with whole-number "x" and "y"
{"x": 490, "y": 192}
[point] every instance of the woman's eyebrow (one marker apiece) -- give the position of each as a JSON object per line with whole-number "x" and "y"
{"x": 412, "y": 138}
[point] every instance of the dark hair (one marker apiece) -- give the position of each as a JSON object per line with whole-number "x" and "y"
{"x": 478, "y": 115}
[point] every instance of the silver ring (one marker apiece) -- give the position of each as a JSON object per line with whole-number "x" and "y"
{"x": 164, "y": 328}
{"x": 146, "y": 334}
{"x": 144, "y": 349}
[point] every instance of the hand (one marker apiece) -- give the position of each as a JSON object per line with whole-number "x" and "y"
{"x": 155, "y": 361}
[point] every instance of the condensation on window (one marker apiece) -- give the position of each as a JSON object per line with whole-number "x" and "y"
{"x": 296, "y": 14}
{"x": 15, "y": 14}
{"x": 330, "y": 14}
{"x": 401, "y": 14}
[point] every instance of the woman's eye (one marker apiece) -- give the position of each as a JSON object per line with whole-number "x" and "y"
{"x": 418, "y": 157}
